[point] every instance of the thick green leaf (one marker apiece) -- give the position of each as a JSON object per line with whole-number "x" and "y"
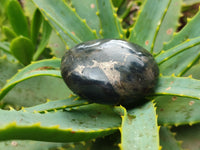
{"x": 5, "y": 46}
{"x": 167, "y": 140}
{"x": 124, "y": 11}
{"x": 3, "y": 17}
{"x": 7, "y": 70}
{"x": 194, "y": 72}
{"x": 46, "y": 32}
{"x": 117, "y": 3}
{"x": 69, "y": 42}
{"x": 37, "y": 90}
{"x": 178, "y": 86}
{"x": 35, "y": 26}
{"x": 33, "y": 91}
{"x": 9, "y": 57}
{"x": 168, "y": 26}
{"x": 10, "y": 34}
{"x": 29, "y": 145}
{"x": 84, "y": 123}
{"x": 176, "y": 65}
{"x": 109, "y": 142}
{"x": 87, "y": 11}
{"x": 17, "y": 19}
{"x": 72, "y": 101}
{"x": 139, "y": 128}
{"x": 177, "y": 111}
{"x": 189, "y": 135}
{"x": 56, "y": 45}
{"x": 22, "y": 48}
{"x": 65, "y": 19}
{"x": 166, "y": 55}
{"x": 190, "y": 2}
{"x": 147, "y": 25}
{"x": 48, "y": 67}
{"x": 29, "y": 8}
{"x": 110, "y": 24}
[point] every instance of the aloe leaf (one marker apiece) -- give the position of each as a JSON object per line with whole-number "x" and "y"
{"x": 87, "y": 11}
{"x": 109, "y": 142}
{"x": 166, "y": 55}
{"x": 190, "y": 2}
{"x": 117, "y": 3}
{"x": 86, "y": 122}
{"x": 83, "y": 145}
{"x": 17, "y": 19}
{"x": 33, "y": 91}
{"x": 9, "y": 57}
{"x": 110, "y": 24}
{"x": 46, "y": 32}
{"x": 29, "y": 8}
{"x": 167, "y": 140}
{"x": 72, "y": 101}
{"x": 65, "y": 19}
{"x": 189, "y": 135}
{"x": 22, "y": 48}
{"x": 5, "y": 72}
{"x": 168, "y": 26}
{"x": 5, "y": 46}
{"x": 29, "y": 145}
{"x": 176, "y": 64}
{"x": 48, "y": 67}
{"x": 56, "y": 44}
{"x": 10, "y": 34}
{"x": 194, "y": 72}
{"x": 148, "y": 22}
{"x": 139, "y": 128}
{"x": 35, "y": 26}
{"x": 178, "y": 86}
{"x": 177, "y": 111}
{"x": 125, "y": 9}
{"x": 190, "y": 31}
{"x": 40, "y": 89}
{"x": 65, "y": 38}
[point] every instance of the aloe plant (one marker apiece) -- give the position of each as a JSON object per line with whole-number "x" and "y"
{"x": 23, "y": 37}
{"x": 67, "y": 120}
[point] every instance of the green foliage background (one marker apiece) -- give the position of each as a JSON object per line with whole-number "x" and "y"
{"x": 38, "y": 111}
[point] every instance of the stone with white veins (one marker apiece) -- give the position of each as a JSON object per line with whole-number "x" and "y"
{"x": 110, "y": 71}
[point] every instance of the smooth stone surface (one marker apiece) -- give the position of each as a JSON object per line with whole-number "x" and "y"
{"x": 110, "y": 71}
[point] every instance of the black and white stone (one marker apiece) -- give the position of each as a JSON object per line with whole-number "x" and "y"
{"x": 110, "y": 71}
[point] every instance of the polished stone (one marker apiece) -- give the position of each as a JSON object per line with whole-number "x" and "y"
{"x": 110, "y": 71}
